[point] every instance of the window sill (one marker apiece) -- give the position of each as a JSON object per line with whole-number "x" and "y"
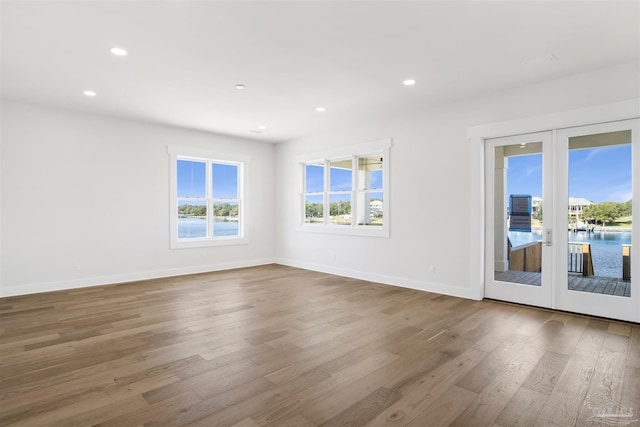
{"x": 203, "y": 243}
{"x": 365, "y": 231}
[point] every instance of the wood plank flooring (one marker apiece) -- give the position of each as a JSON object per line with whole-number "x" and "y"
{"x": 279, "y": 346}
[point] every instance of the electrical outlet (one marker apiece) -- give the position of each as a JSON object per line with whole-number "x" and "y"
{"x": 76, "y": 266}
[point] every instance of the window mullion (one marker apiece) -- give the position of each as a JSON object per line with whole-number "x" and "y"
{"x": 325, "y": 194}
{"x": 354, "y": 189}
{"x": 303, "y": 194}
{"x": 209, "y": 187}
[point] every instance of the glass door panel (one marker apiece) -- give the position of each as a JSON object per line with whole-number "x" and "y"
{"x": 518, "y": 214}
{"x": 596, "y": 177}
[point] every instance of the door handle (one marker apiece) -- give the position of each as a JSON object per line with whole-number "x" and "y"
{"x": 548, "y": 236}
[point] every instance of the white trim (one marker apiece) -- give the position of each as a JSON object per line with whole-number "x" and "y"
{"x": 357, "y": 230}
{"x": 346, "y": 151}
{"x": 355, "y": 151}
{"x": 614, "y": 111}
{"x": 199, "y": 154}
{"x": 111, "y": 279}
{"x": 384, "y": 279}
{"x": 507, "y": 291}
{"x": 209, "y": 158}
{"x": 476, "y": 135}
{"x": 477, "y": 220}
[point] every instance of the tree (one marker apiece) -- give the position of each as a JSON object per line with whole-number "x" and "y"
{"x": 339, "y": 208}
{"x": 603, "y": 212}
{"x": 192, "y": 210}
{"x": 313, "y": 210}
{"x": 626, "y": 208}
{"x": 538, "y": 213}
{"x": 221, "y": 209}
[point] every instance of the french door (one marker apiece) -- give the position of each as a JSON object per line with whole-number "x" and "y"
{"x": 519, "y": 208}
{"x": 560, "y": 213}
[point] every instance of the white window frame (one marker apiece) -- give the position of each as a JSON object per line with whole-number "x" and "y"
{"x": 380, "y": 147}
{"x": 210, "y": 158}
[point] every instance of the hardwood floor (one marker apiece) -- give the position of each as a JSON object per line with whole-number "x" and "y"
{"x": 279, "y": 346}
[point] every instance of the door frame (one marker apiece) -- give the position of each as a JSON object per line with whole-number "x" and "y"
{"x": 476, "y": 136}
{"x": 540, "y": 296}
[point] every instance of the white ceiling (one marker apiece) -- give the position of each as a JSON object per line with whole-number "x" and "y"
{"x": 350, "y": 57}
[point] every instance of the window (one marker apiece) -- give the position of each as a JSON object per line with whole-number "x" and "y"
{"x": 207, "y": 207}
{"x": 343, "y": 191}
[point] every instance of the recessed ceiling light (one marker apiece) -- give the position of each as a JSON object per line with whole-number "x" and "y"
{"x": 320, "y": 109}
{"x": 262, "y": 127}
{"x": 240, "y": 86}
{"x": 89, "y": 93}
{"x": 409, "y": 82}
{"x": 118, "y": 51}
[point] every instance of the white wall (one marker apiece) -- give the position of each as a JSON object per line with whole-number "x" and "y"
{"x": 95, "y": 191}
{"x": 71, "y": 185}
{"x": 435, "y": 190}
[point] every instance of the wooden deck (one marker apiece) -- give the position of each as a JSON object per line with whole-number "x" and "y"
{"x": 279, "y": 346}
{"x": 577, "y": 282}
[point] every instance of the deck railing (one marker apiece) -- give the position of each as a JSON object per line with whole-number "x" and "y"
{"x": 579, "y": 258}
{"x": 529, "y": 258}
{"x": 626, "y": 262}
{"x": 526, "y": 257}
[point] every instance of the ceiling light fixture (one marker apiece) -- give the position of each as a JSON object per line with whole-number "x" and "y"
{"x": 409, "y": 82}
{"x": 118, "y": 51}
{"x": 262, "y": 127}
{"x": 320, "y": 109}
{"x": 240, "y": 86}
{"x": 89, "y": 93}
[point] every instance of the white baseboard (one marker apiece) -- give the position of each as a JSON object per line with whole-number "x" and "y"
{"x": 59, "y": 285}
{"x": 420, "y": 285}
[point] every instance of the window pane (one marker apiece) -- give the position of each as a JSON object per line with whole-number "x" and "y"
{"x": 314, "y": 178}
{"x": 225, "y": 220}
{"x": 225, "y": 181}
{"x": 340, "y": 175}
{"x": 370, "y": 208}
{"x": 370, "y": 173}
{"x": 192, "y": 219}
{"x": 600, "y": 236}
{"x": 191, "y": 178}
{"x": 340, "y": 209}
{"x": 314, "y": 211}
{"x": 518, "y": 215}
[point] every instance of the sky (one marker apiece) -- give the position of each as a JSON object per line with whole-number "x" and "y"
{"x": 600, "y": 174}
{"x": 597, "y": 174}
{"x": 340, "y": 179}
{"x": 192, "y": 180}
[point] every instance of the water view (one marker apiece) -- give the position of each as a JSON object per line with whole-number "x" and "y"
{"x": 606, "y": 247}
{"x": 197, "y": 227}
